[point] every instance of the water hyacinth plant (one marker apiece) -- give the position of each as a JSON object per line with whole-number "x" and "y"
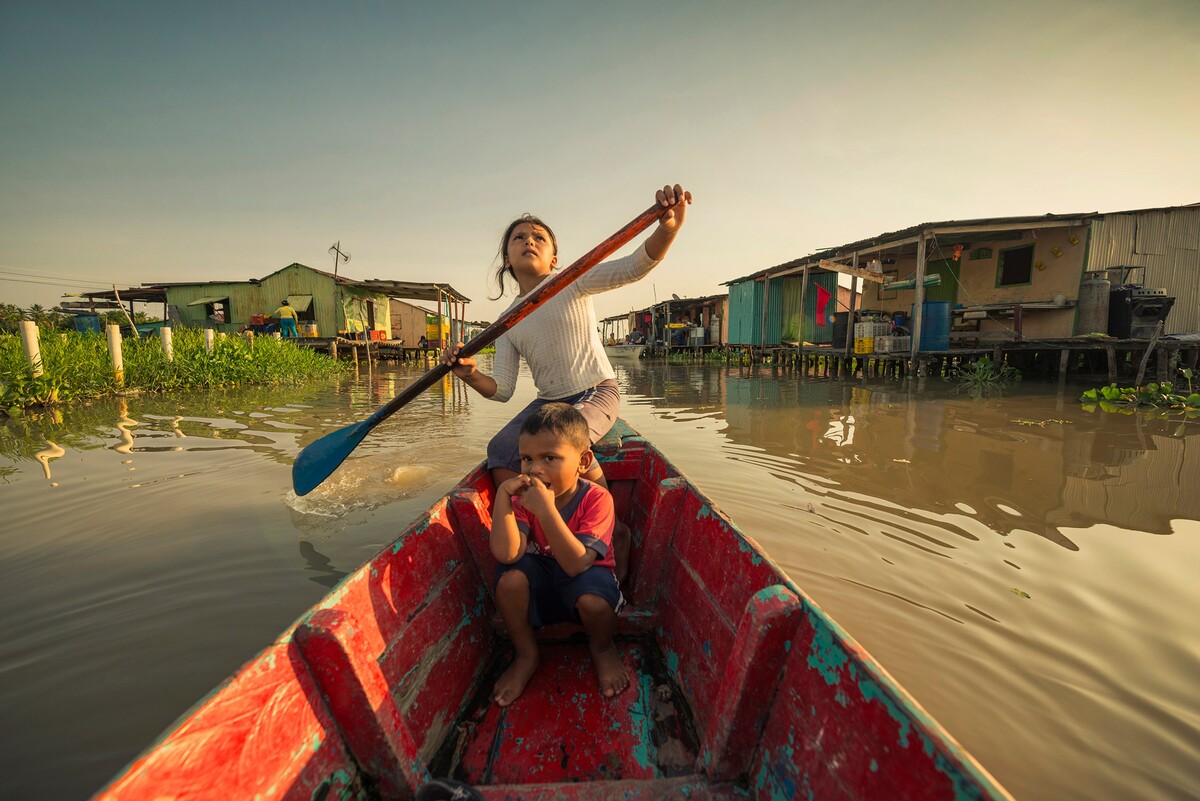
{"x": 77, "y": 366}
{"x": 1151, "y": 396}
{"x": 983, "y": 374}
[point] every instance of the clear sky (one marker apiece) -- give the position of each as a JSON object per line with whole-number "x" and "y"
{"x": 156, "y": 141}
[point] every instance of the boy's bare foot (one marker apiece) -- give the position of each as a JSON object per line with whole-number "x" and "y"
{"x": 512, "y": 683}
{"x": 614, "y": 678}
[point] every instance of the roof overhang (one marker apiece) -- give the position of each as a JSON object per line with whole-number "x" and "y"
{"x": 413, "y": 291}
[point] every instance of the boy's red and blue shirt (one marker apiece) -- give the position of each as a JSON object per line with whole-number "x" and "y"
{"x": 589, "y": 516}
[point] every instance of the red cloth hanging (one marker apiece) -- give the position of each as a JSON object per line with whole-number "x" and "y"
{"x": 823, "y": 297}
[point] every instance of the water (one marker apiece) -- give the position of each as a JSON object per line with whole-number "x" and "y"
{"x": 1022, "y": 567}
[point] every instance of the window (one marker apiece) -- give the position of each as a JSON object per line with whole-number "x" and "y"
{"x": 1016, "y": 266}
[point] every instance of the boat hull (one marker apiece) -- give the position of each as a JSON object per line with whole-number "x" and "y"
{"x": 742, "y": 687}
{"x": 624, "y": 352}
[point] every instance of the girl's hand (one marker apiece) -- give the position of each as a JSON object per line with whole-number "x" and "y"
{"x": 537, "y": 498}
{"x": 461, "y": 367}
{"x": 675, "y": 200}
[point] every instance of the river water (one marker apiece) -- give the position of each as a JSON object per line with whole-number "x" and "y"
{"x": 1024, "y": 568}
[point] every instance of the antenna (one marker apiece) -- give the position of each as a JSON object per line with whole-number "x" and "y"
{"x": 339, "y": 257}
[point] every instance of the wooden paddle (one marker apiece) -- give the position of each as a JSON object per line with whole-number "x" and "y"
{"x": 318, "y": 460}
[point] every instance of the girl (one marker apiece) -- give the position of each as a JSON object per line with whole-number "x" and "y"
{"x": 559, "y": 340}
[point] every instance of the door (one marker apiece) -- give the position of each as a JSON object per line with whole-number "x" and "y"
{"x": 948, "y": 289}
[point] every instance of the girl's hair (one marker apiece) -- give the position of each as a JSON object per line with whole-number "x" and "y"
{"x": 505, "y": 268}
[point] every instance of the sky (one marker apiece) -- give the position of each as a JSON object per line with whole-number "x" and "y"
{"x": 166, "y": 142}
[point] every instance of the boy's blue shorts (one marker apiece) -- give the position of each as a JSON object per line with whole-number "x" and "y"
{"x": 553, "y": 593}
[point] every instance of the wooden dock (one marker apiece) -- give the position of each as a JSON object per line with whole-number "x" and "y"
{"x": 1114, "y": 360}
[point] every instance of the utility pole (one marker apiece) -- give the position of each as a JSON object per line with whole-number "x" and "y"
{"x": 339, "y": 257}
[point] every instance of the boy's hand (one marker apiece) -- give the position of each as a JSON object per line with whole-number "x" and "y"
{"x": 538, "y": 498}
{"x": 675, "y": 200}
{"x": 514, "y": 486}
{"x": 461, "y": 367}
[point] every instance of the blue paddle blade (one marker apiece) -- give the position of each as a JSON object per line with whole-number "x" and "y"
{"x": 317, "y": 461}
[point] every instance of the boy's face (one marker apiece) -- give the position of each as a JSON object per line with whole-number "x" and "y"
{"x": 553, "y": 460}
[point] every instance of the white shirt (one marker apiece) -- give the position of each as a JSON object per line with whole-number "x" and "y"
{"x": 559, "y": 340}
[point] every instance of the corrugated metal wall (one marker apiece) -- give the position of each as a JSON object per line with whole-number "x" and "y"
{"x": 773, "y": 331}
{"x": 820, "y": 333}
{"x": 745, "y": 312}
{"x": 1167, "y": 243}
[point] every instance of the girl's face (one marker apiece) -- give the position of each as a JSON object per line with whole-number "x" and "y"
{"x": 530, "y": 250}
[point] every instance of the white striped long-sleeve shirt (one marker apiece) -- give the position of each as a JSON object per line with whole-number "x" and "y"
{"x": 559, "y": 340}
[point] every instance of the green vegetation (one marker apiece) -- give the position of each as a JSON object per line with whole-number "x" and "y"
{"x": 983, "y": 375}
{"x": 1152, "y": 396}
{"x": 77, "y": 366}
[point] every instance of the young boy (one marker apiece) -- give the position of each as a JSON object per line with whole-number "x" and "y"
{"x": 552, "y": 535}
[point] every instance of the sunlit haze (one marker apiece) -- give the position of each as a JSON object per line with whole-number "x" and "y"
{"x": 169, "y": 142}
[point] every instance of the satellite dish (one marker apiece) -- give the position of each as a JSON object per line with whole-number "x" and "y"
{"x": 674, "y": 296}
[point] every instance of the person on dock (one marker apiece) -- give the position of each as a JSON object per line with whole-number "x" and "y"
{"x": 560, "y": 341}
{"x": 287, "y": 320}
{"x": 552, "y": 535}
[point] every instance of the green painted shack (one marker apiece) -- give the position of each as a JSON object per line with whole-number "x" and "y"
{"x": 324, "y": 303}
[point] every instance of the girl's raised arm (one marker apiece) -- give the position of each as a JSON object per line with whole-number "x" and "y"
{"x": 675, "y": 200}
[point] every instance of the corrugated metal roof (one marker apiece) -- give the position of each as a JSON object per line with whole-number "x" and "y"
{"x": 963, "y": 226}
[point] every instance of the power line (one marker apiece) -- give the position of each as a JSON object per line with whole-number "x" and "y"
{"x": 36, "y": 274}
{"x": 65, "y": 285}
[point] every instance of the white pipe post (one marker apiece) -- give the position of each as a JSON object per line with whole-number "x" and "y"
{"x": 114, "y": 352}
{"x": 208, "y": 339}
{"x": 165, "y": 335}
{"x": 30, "y": 338}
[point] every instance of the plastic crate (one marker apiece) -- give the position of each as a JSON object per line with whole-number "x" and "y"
{"x": 871, "y": 329}
{"x": 893, "y": 344}
{"x": 864, "y": 345}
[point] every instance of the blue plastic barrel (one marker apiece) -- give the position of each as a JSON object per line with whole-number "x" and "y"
{"x": 935, "y": 324}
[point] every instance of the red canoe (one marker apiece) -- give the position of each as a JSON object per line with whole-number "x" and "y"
{"x": 743, "y": 688}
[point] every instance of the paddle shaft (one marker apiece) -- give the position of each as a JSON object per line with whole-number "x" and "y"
{"x": 536, "y": 298}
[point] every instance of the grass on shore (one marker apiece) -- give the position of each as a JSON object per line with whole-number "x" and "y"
{"x": 76, "y": 366}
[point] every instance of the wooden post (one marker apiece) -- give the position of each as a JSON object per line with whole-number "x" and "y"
{"x": 803, "y": 297}
{"x": 30, "y": 338}
{"x": 1064, "y": 360}
{"x": 114, "y": 352}
{"x": 918, "y": 304}
{"x": 1112, "y": 363}
{"x": 1017, "y": 322}
{"x": 165, "y": 334}
{"x": 1146, "y": 357}
{"x": 850, "y": 314}
{"x": 208, "y": 339}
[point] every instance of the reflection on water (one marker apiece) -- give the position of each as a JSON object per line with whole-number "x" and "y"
{"x": 319, "y": 563}
{"x": 1020, "y": 565}
{"x": 51, "y": 451}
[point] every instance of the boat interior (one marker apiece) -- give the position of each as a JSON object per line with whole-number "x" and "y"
{"x": 741, "y": 687}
